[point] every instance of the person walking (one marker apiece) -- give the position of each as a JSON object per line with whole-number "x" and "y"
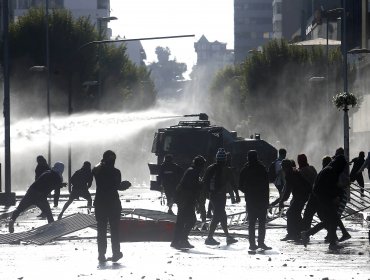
{"x": 253, "y": 181}
{"x": 81, "y": 181}
{"x": 300, "y": 189}
{"x": 168, "y": 177}
{"x": 186, "y": 196}
{"x": 219, "y": 180}
{"x": 355, "y": 175}
{"x": 108, "y": 205}
{"x": 38, "y": 192}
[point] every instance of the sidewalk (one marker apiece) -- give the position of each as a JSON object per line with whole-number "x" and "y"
{"x": 75, "y": 257}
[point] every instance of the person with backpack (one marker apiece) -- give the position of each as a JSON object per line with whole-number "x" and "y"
{"x": 219, "y": 180}
{"x": 254, "y": 183}
{"x": 275, "y": 171}
{"x": 81, "y": 181}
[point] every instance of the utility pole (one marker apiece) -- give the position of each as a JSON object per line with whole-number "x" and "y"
{"x": 7, "y": 198}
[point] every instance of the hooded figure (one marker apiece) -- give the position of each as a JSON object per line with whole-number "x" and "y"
{"x": 37, "y": 193}
{"x": 219, "y": 180}
{"x": 254, "y": 182}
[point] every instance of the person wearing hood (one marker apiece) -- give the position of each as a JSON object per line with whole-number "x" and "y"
{"x": 107, "y": 205}
{"x": 254, "y": 182}
{"x": 328, "y": 195}
{"x": 81, "y": 181}
{"x": 219, "y": 180}
{"x": 38, "y": 192}
{"x": 186, "y": 196}
{"x": 300, "y": 189}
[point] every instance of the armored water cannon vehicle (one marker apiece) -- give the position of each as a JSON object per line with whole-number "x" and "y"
{"x": 188, "y": 139}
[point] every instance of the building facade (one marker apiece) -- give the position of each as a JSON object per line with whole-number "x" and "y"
{"x": 252, "y": 26}
{"x": 94, "y": 9}
{"x": 213, "y": 53}
{"x": 286, "y": 18}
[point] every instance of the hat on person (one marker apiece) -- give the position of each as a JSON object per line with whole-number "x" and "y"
{"x": 221, "y": 155}
{"x": 58, "y": 168}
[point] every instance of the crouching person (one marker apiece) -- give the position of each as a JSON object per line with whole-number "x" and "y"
{"x": 38, "y": 192}
{"x": 187, "y": 193}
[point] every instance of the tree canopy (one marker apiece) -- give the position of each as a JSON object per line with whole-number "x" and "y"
{"x": 71, "y": 66}
{"x": 273, "y": 92}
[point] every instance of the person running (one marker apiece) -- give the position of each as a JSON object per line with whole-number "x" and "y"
{"x": 107, "y": 205}
{"x": 219, "y": 180}
{"x": 355, "y": 175}
{"x": 328, "y": 195}
{"x": 38, "y": 192}
{"x": 186, "y": 197}
{"x": 300, "y": 189}
{"x": 311, "y": 207}
{"x": 81, "y": 182}
{"x": 169, "y": 176}
{"x": 366, "y": 165}
{"x": 255, "y": 185}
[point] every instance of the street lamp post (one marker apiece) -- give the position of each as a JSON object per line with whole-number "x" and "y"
{"x": 7, "y": 198}
{"x": 48, "y": 77}
{"x": 100, "y": 20}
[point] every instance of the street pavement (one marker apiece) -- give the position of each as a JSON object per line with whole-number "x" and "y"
{"x": 75, "y": 256}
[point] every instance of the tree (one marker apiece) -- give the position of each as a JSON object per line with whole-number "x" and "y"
{"x": 277, "y": 98}
{"x": 71, "y": 65}
{"x": 167, "y": 74}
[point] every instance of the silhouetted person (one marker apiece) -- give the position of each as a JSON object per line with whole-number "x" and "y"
{"x": 328, "y": 195}
{"x": 169, "y": 176}
{"x": 186, "y": 196}
{"x": 366, "y": 165}
{"x": 38, "y": 192}
{"x": 312, "y": 204}
{"x": 355, "y": 175}
{"x": 108, "y": 205}
{"x": 255, "y": 183}
{"x": 300, "y": 189}
{"x": 81, "y": 181}
{"x": 41, "y": 166}
{"x": 280, "y": 178}
{"x": 219, "y": 180}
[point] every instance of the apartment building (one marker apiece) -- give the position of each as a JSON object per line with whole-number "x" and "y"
{"x": 252, "y": 26}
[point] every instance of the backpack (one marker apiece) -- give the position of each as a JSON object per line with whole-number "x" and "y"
{"x": 272, "y": 172}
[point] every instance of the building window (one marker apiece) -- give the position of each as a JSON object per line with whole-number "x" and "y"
{"x": 102, "y": 4}
{"x": 23, "y": 4}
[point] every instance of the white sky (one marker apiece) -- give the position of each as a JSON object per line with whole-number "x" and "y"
{"x": 153, "y": 18}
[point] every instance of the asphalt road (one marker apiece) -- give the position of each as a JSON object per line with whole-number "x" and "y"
{"x": 75, "y": 257}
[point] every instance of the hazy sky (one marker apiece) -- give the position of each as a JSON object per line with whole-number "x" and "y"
{"x": 153, "y": 18}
